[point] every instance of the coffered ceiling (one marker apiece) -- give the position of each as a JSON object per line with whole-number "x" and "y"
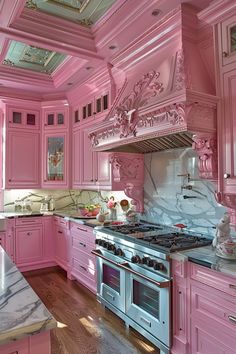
{"x": 85, "y": 12}
{"x": 48, "y": 47}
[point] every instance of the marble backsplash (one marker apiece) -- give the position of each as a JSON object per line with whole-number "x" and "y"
{"x": 165, "y": 199}
{"x": 64, "y": 199}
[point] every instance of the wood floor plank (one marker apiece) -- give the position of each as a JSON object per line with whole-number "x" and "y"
{"x": 86, "y": 328}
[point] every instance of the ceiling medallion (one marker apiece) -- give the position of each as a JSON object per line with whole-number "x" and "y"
{"x": 8, "y": 62}
{"x": 30, "y": 4}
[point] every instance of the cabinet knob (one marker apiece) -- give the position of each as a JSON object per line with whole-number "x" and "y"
{"x": 226, "y": 175}
{"x": 10, "y": 121}
{"x": 96, "y": 180}
{"x": 28, "y": 233}
{"x": 9, "y": 180}
{"x": 91, "y": 180}
{"x": 225, "y": 54}
{"x": 45, "y": 180}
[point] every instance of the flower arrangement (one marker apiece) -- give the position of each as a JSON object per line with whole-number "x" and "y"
{"x": 111, "y": 203}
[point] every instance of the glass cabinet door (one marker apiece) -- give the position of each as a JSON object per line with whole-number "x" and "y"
{"x": 232, "y": 39}
{"x": 55, "y": 162}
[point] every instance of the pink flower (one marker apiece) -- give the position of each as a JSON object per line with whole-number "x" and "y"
{"x": 111, "y": 203}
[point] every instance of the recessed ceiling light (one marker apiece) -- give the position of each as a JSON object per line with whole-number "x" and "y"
{"x": 112, "y": 47}
{"x": 156, "y": 12}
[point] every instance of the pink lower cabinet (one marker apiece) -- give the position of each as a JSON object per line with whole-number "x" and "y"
{"x": 82, "y": 262}
{"x": 36, "y": 344}
{"x": 61, "y": 234}
{"x": 179, "y": 308}
{"x": 212, "y": 312}
{"x": 28, "y": 242}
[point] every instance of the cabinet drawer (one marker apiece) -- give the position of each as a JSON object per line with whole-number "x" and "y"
{"x": 28, "y": 220}
{"x": 85, "y": 258}
{"x": 79, "y": 266}
{"x": 61, "y": 221}
{"x": 214, "y": 305}
{"x": 83, "y": 235}
{"x": 213, "y": 278}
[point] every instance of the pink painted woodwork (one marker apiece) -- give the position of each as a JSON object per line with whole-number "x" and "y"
{"x": 36, "y": 344}
{"x": 206, "y": 148}
{"x": 48, "y": 241}
{"x": 204, "y": 316}
{"x": 82, "y": 262}
{"x": 29, "y": 244}
{"x": 213, "y": 315}
{"x": 61, "y": 239}
{"x": 22, "y": 159}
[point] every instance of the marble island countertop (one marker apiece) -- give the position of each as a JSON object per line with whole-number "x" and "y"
{"x": 206, "y": 257}
{"x": 22, "y": 313}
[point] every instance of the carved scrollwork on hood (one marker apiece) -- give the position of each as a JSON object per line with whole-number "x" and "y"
{"x": 126, "y": 114}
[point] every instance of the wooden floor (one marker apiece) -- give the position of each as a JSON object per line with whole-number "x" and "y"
{"x": 85, "y": 328}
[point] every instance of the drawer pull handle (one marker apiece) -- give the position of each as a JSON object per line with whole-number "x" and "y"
{"x": 148, "y": 323}
{"x": 111, "y": 296}
{"x": 82, "y": 244}
{"x": 83, "y": 268}
{"x": 60, "y": 232}
{"x": 232, "y": 318}
{"x": 81, "y": 229}
{"x": 232, "y": 286}
{"x": 16, "y": 352}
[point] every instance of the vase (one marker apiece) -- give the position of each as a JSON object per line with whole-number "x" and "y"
{"x": 113, "y": 214}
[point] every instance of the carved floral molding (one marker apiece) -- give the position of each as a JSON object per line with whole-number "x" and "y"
{"x": 206, "y": 148}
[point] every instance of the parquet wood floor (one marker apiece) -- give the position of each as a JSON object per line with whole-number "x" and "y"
{"x": 85, "y": 327}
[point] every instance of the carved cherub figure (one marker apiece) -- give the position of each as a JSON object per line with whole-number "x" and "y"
{"x": 222, "y": 230}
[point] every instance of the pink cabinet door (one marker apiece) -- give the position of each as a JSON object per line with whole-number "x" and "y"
{"x": 228, "y": 135}
{"x": 55, "y": 118}
{"x": 55, "y": 160}
{"x": 20, "y": 118}
{"x": 103, "y": 169}
{"x": 22, "y": 159}
{"x": 61, "y": 250}
{"x": 18, "y": 347}
{"x": 29, "y": 244}
{"x": 76, "y": 159}
{"x": 228, "y": 31}
{"x": 88, "y": 161}
{"x": 48, "y": 239}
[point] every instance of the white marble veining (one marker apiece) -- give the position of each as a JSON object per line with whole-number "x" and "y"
{"x": 167, "y": 202}
{"x": 22, "y": 313}
{"x": 206, "y": 256}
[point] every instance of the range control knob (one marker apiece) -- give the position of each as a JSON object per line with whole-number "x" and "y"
{"x": 100, "y": 242}
{"x": 159, "y": 266}
{"x": 111, "y": 247}
{"x": 118, "y": 252}
{"x": 136, "y": 259}
{"x": 145, "y": 259}
{"x": 97, "y": 241}
{"x": 150, "y": 262}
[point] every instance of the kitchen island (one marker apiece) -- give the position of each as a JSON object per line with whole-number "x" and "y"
{"x": 25, "y": 321}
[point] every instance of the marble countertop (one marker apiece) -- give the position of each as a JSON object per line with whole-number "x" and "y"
{"x": 22, "y": 313}
{"x": 205, "y": 256}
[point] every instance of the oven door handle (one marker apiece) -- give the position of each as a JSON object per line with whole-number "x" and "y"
{"x": 98, "y": 253}
{"x": 162, "y": 284}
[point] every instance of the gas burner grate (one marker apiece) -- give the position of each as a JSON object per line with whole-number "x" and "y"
{"x": 128, "y": 229}
{"x": 176, "y": 242}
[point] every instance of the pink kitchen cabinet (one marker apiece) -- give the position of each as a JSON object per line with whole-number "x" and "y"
{"x": 180, "y": 308}
{"x": 29, "y": 244}
{"x": 48, "y": 241}
{"x": 212, "y": 311}
{"x": 82, "y": 262}
{"x": 16, "y": 117}
{"x": 228, "y": 31}
{"x": 91, "y": 169}
{"x": 61, "y": 237}
{"x": 36, "y": 344}
{"x": 22, "y": 159}
{"x": 55, "y": 160}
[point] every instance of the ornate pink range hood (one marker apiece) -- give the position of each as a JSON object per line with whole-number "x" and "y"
{"x": 167, "y": 98}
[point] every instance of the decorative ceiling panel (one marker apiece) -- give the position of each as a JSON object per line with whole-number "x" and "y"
{"x": 26, "y": 56}
{"x": 85, "y": 12}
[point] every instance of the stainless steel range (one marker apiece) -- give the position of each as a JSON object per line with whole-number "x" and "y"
{"x": 134, "y": 275}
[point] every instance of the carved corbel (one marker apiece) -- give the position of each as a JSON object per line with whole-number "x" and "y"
{"x": 128, "y": 175}
{"x": 206, "y": 148}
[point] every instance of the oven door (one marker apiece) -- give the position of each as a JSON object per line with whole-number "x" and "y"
{"x": 148, "y": 303}
{"x": 110, "y": 280}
